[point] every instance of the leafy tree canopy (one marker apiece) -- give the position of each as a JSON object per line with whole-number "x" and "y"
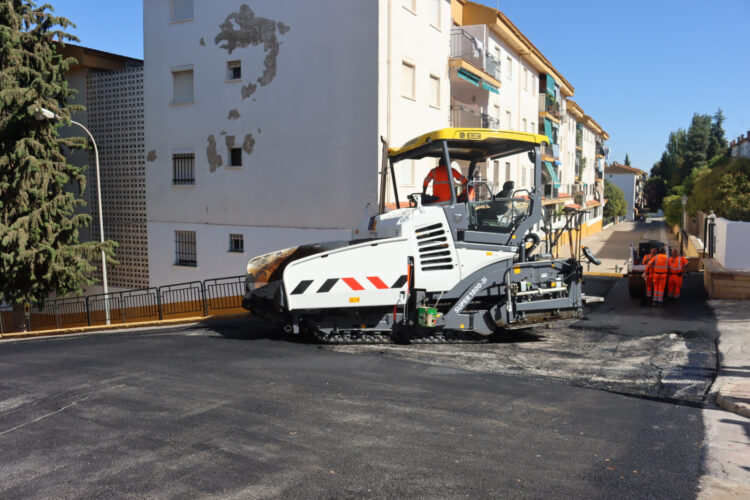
{"x": 615, "y": 205}
{"x": 39, "y": 248}
{"x": 724, "y": 190}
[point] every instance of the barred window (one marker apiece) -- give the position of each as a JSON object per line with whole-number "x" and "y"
{"x": 183, "y": 168}
{"x": 236, "y": 243}
{"x": 234, "y": 70}
{"x": 185, "y": 248}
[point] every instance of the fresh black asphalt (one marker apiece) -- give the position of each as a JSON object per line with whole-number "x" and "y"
{"x": 233, "y": 411}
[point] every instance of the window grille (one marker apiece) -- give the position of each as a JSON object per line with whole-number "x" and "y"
{"x": 183, "y": 168}
{"x": 185, "y": 248}
{"x": 236, "y": 243}
{"x": 234, "y": 70}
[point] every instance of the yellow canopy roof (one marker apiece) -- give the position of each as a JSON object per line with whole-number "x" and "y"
{"x": 467, "y": 144}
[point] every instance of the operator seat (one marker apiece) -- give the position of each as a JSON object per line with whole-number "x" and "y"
{"x": 507, "y": 190}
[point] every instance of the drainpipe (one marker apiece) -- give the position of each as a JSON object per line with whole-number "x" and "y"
{"x": 388, "y": 83}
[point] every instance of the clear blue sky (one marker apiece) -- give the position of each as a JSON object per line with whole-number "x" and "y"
{"x": 639, "y": 68}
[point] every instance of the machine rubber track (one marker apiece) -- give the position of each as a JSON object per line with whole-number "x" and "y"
{"x": 443, "y": 337}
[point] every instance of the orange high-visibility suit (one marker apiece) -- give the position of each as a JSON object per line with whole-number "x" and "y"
{"x": 441, "y": 186}
{"x": 677, "y": 266}
{"x": 659, "y": 268}
{"x": 648, "y": 275}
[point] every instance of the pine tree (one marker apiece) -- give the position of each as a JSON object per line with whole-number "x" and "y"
{"x": 627, "y": 160}
{"x": 698, "y": 137}
{"x": 39, "y": 248}
{"x": 717, "y": 144}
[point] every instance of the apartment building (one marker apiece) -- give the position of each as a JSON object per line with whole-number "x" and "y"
{"x": 263, "y": 121}
{"x": 499, "y": 79}
{"x": 631, "y": 181}
{"x": 585, "y": 151}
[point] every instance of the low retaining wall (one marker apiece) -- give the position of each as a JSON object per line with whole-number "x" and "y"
{"x": 722, "y": 283}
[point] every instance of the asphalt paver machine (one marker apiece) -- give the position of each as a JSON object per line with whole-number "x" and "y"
{"x": 456, "y": 270}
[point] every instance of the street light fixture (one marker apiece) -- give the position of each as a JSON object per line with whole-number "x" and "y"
{"x": 45, "y": 114}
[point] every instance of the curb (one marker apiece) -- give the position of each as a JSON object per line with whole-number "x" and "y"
{"x": 121, "y": 326}
{"x": 733, "y": 397}
{"x": 606, "y": 275}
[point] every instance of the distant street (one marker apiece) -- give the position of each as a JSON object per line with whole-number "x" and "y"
{"x": 238, "y": 412}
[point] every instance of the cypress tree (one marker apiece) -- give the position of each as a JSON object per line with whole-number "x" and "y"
{"x": 627, "y": 160}
{"x": 717, "y": 144}
{"x": 39, "y": 249}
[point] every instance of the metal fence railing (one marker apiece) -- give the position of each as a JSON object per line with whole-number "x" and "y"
{"x": 193, "y": 299}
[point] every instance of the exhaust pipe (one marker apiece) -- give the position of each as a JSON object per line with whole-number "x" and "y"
{"x": 288, "y": 328}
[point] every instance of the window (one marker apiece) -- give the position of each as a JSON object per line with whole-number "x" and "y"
{"x": 533, "y": 129}
{"x": 234, "y": 70}
{"x": 533, "y": 83}
{"x": 508, "y": 120}
{"x": 525, "y": 79}
{"x": 525, "y": 123}
{"x": 523, "y": 176}
{"x": 434, "y": 91}
{"x": 407, "y": 80}
{"x": 411, "y": 5}
{"x": 509, "y": 68}
{"x": 435, "y": 13}
{"x": 235, "y": 157}
{"x": 496, "y": 173}
{"x": 507, "y": 171}
{"x": 182, "y": 86}
{"x": 181, "y": 10}
{"x": 497, "y": 112}
{"x": 236, "y": 243}
{"x": 185, "y": 248}
{"x": 183, "y": 168}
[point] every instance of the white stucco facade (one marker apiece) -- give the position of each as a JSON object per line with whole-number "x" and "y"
{"x": 627, "y": 183}
{"x": 318, "y": 84}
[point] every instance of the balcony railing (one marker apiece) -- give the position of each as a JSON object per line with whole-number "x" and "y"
{"x": 548, "y": 103}
{"x": 466, "y": 46}
{"x": 465, "y": 117}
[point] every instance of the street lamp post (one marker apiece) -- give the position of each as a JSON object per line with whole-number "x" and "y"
{"x": 682, "y": 225}
{"x": 46, "y": 114}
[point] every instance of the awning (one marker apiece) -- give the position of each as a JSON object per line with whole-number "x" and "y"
{"x": 473, "y": 79}
{"x": 548, "y": 130}
{"x": 552, "y": 174}
{"x": 550, "y": 84}
{"x": 491, "y": 88}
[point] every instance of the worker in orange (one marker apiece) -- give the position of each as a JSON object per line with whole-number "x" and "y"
{"x": 677, "y": 264}
{"x": 648, "y": 276}
{"x": 659, "y": 268}
{"x": 441, "y": 186}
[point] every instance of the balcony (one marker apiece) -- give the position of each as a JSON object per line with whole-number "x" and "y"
{"x": 466, "y": 117}
{"x": 579, "y": 137}
{"x": 467, "y": 47}
{"x": 548, "y": 104}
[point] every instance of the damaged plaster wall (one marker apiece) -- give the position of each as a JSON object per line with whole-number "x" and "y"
{"x": 319, "y": 134}
{"x": 243, "y": 29}
{"x": 212, "y": 156}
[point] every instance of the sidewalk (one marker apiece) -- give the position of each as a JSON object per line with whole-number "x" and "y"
{"x": 612, "y": 245}
{"x": 727, "y": 438}
{"x": 732, "y": 385}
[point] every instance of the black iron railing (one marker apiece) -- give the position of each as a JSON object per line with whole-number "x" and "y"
{"x": 193, "y": 299}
